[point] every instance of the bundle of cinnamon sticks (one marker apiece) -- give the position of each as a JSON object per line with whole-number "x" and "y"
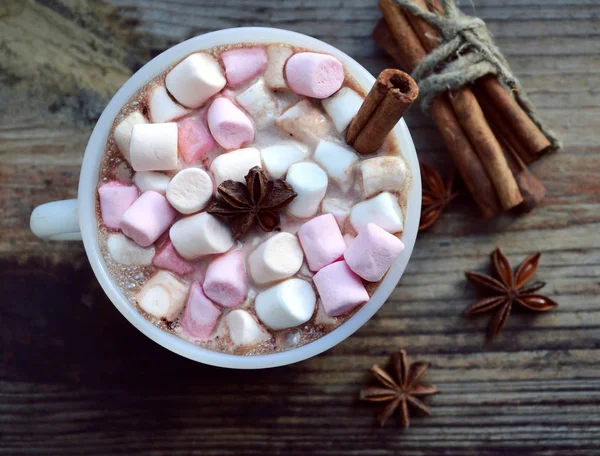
{"x": 487, "y": 133}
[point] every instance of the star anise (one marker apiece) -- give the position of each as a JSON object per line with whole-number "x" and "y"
{"x": 436, "y": 195}
{"x": 258, "y": 202}
{"x": 508, "y": 290}
{"x": 401, "y": 390}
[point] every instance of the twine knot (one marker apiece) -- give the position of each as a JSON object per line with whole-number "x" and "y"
{"x": 465, "y": 53}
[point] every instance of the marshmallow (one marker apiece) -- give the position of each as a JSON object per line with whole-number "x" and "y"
{"x": 278, "y": 55}
{"x": 314, "y": 75}
{"x": 225, "y": 281}
{"x": 123, "y": 131}
{"x": 259, "y": 103}
{"x": 342, "y": 107}
{"x": 383, "y": 210}
{"x": 279, "y": 257}
{"x": 373, "y": 252}
{"x": 125, "y": 251}
{"x": 163, "y": 296}
{"x": 115, "y": 198}
{"x": 190, "y": 190}
{"x": 244, "y": 329}
{"x": 322, "y": 241}
{"x": 339, "y": 208}
{"x": 286, "y": 305}
{"x": 200, "y": 315}
{"x": 243, "y": 64}
{"x": 337, "y": 161}
{"x": 228, "y": 124}
{"x": 340, "y": 289}
{"x": 151, "y": 180}
{"x": 235, "y": 165}
{"x": 195, "y": 79}
{"x": 167, "y": 258}
{"x": 304, "y": 122}
{"x": 195, "y": 141}
{"x": 147, "y": 218}
{"x": 278, "y": 158}
{"x": 310, "y": 183}
{"x": 162, "y": 107}
{"x": 200, "y": 234}
{"x": 381, "y": 174}
{"x": 154, "y": 147}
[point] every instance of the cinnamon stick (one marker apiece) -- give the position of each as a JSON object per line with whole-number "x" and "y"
{"x": 409, "y": 52}
{"x": 382, "y": 36}
{"x": 473, "y": 121}
{"x": 530, "y": 187}
{"x": 389, "y": 98}
{"x": 465, "y": 159}
{"x": 533, "y": 141}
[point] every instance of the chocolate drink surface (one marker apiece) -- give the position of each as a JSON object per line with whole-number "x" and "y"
{"x": 232, "y": 213}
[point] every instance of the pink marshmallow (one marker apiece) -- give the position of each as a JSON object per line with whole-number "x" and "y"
{"x": 147, "y": 218}
{"x": 228, "y": 124}
{"x": 194, "y": 140}
{"x": 314, "y": 75}
{"x": 322, "y": 241}
{"x": 372, "y": 252}
{"x": 115, "y": 199}
{"x": 201, "y": 315}
{"x": 167, "y": 258}
{"x": 340, "y": 289}
{"x": 226, "y": 282}
{"x": 241, "y": 65}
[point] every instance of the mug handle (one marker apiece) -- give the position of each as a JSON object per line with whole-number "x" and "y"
{"x": 56, "y": 221}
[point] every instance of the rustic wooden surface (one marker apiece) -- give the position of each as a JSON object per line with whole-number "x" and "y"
{"x": 75, "y": 378}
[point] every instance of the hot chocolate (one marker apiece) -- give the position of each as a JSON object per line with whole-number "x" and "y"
{"x": 231, "y": 211}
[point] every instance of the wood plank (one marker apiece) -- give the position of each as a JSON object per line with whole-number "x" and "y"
{"x": 75, "y": 378}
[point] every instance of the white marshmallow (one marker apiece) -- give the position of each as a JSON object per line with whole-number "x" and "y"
{"x": 190, "y": 190}
{"x": 259, "y": 103}
{"x": 286, "y": 305}
{"x": 194, "y": 80}
{"x": 163, "y": 296}
{"x": 151, "y": 180}
{"x": 154, "y": 147}
{"x": 244, "y": 329}
{"x": 337, "y": 161}
{"x": 200, "y": 234}
{"x": 279, "y": 257}
{"x": 278, "y": 158}
{"x": 123, "y": 131}
{"x": 310, "y": 183}
{"x": 277, "y": 56}
{"x": 235, "y": 165}
{"x": 124, "y": 251}
{"x": 162, "y": 107}
{"x": 383, "y": 211}
{"x": 342, "y": 107}
{"x": 382, "y": 174}
{"x": 305, "y": 122}
{"x": 340, "y": 208}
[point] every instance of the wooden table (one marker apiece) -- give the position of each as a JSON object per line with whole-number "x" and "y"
{"x": 76, "y": 378}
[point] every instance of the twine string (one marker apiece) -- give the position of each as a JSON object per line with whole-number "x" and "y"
{"x": 466, "y": 52}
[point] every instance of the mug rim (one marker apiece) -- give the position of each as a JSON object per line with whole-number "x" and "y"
{"x": 90, "y": 173}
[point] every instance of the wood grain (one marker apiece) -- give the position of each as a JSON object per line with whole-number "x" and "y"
{"x": 75, "y": 378}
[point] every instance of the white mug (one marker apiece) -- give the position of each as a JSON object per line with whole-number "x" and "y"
{"x": 76, "y": 219}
